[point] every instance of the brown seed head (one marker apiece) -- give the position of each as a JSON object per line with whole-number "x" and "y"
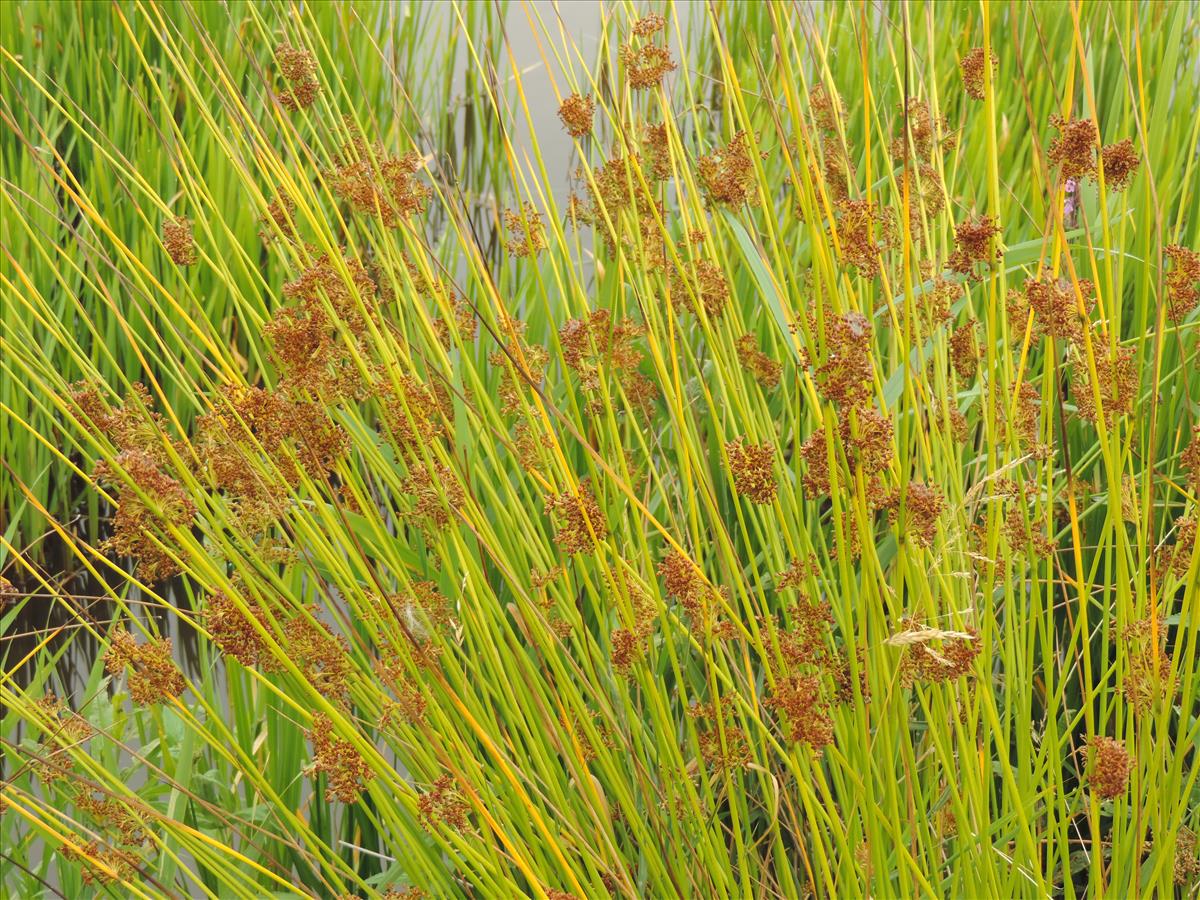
{"x": 576, "y": 114}
{"x": 974, "y": 71}
{"x": 752, "y": 466}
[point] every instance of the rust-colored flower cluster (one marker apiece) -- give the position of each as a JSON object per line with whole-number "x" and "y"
{"x": 64, "y": 728}
{"x": 279, "y": 220}
{"x": 338, "y": 760}
{"x": 683, "y": 583}
{"x": 865, "y": 230}
{"x": 799, "y": 699}
{"x": 378, "y": 184}
{"x": 525, "y": 367}
{"x": 934, "y": 656}
{"x": 765, "y": 370}
{"x": 1055, "y": 306}
{"x": 964, "y": 350}
{"x": 1111, "y": 766}
{"x": 974, "y": 244}
{"x": 113, "y": 814}
{"x": 234, "y": 633}
{"x": 645, "y": 66}
{"x": 178, "y": 241}
{"x": 596, "y": 344}
{"x": 846, "y": 375}
{"x": 752, "y": 466}
{"x": 153, "y": 675}
{"x": 299, "y": 70}
{"x": 156, "y": 498}
{"x": 1182, "y": 282}
{"x": 322, "y": 656}
{"x": 727, "y": 174}
{"x": 1120, "y": 163}
{"x": 527, "y": 234}
{"x": 1146, "y": 682}
{"x": 579, "y": 522}
{"x": 443, "y": 804}
{"x": 1118, "y": 382}
{"x": 576, "y": 113}
{"x": 827, "y": 107}
{"x": 974, "y": 69}
{"x": 1074, "y": 150}
{"x": 723, "y": 745}
{"x": 102, "y": 865}
{"x": 704, "y": 286}
{"x": 437, "y": 494}
{"x": 923, "y": 506}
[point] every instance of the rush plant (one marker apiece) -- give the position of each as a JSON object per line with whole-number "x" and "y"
{"x": 796, "y": 497}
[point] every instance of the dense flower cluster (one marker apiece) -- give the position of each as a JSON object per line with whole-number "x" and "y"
{"x": 974, "y": 69}
{"x": 299, "y": 70}
{"x": 1110, "y": 767}
{"x": 338, "y": 760}
{"x": 153, "y": 675}
{"x": 576, "y": 113}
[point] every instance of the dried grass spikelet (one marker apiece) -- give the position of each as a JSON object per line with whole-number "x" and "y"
{"x": 178, "y": 241}
{"x": 765, "y": 370}
{"x": 1117, "y": 376}
{"x": 153, "y": 675}
{"x": 338, "y": 760}
{"x": 974, "y": 70}
{"x": 703, "y": 285}
{"x": 299, "y": 70}
{"x": 645, "y": 66}
{"x": 347, "y": 287}
{"x": 579, "y": 521}
{"x": 1182, "y": 282}
{"x": 443, "y": 805}
{"x": 865, "y": 231}
{"x": 527, "y": 234}
{"x": 234, "y": 633}
{"x": 974, "y": 244}
{"x": 130, "y": 425}
{"x": 1111, "y": 765}
{"x": 1074, "y": 150}
{"x": 576, "y": 113}
{"x": 1120, "y": 163}
{"x": 932, "y": 655}
{"x": 846, "y": 375}
{"x": 727, "y": 173}
{"x": 752, "y": 466}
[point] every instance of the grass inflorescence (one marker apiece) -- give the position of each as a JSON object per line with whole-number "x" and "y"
{"x": 796, "y": 496}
